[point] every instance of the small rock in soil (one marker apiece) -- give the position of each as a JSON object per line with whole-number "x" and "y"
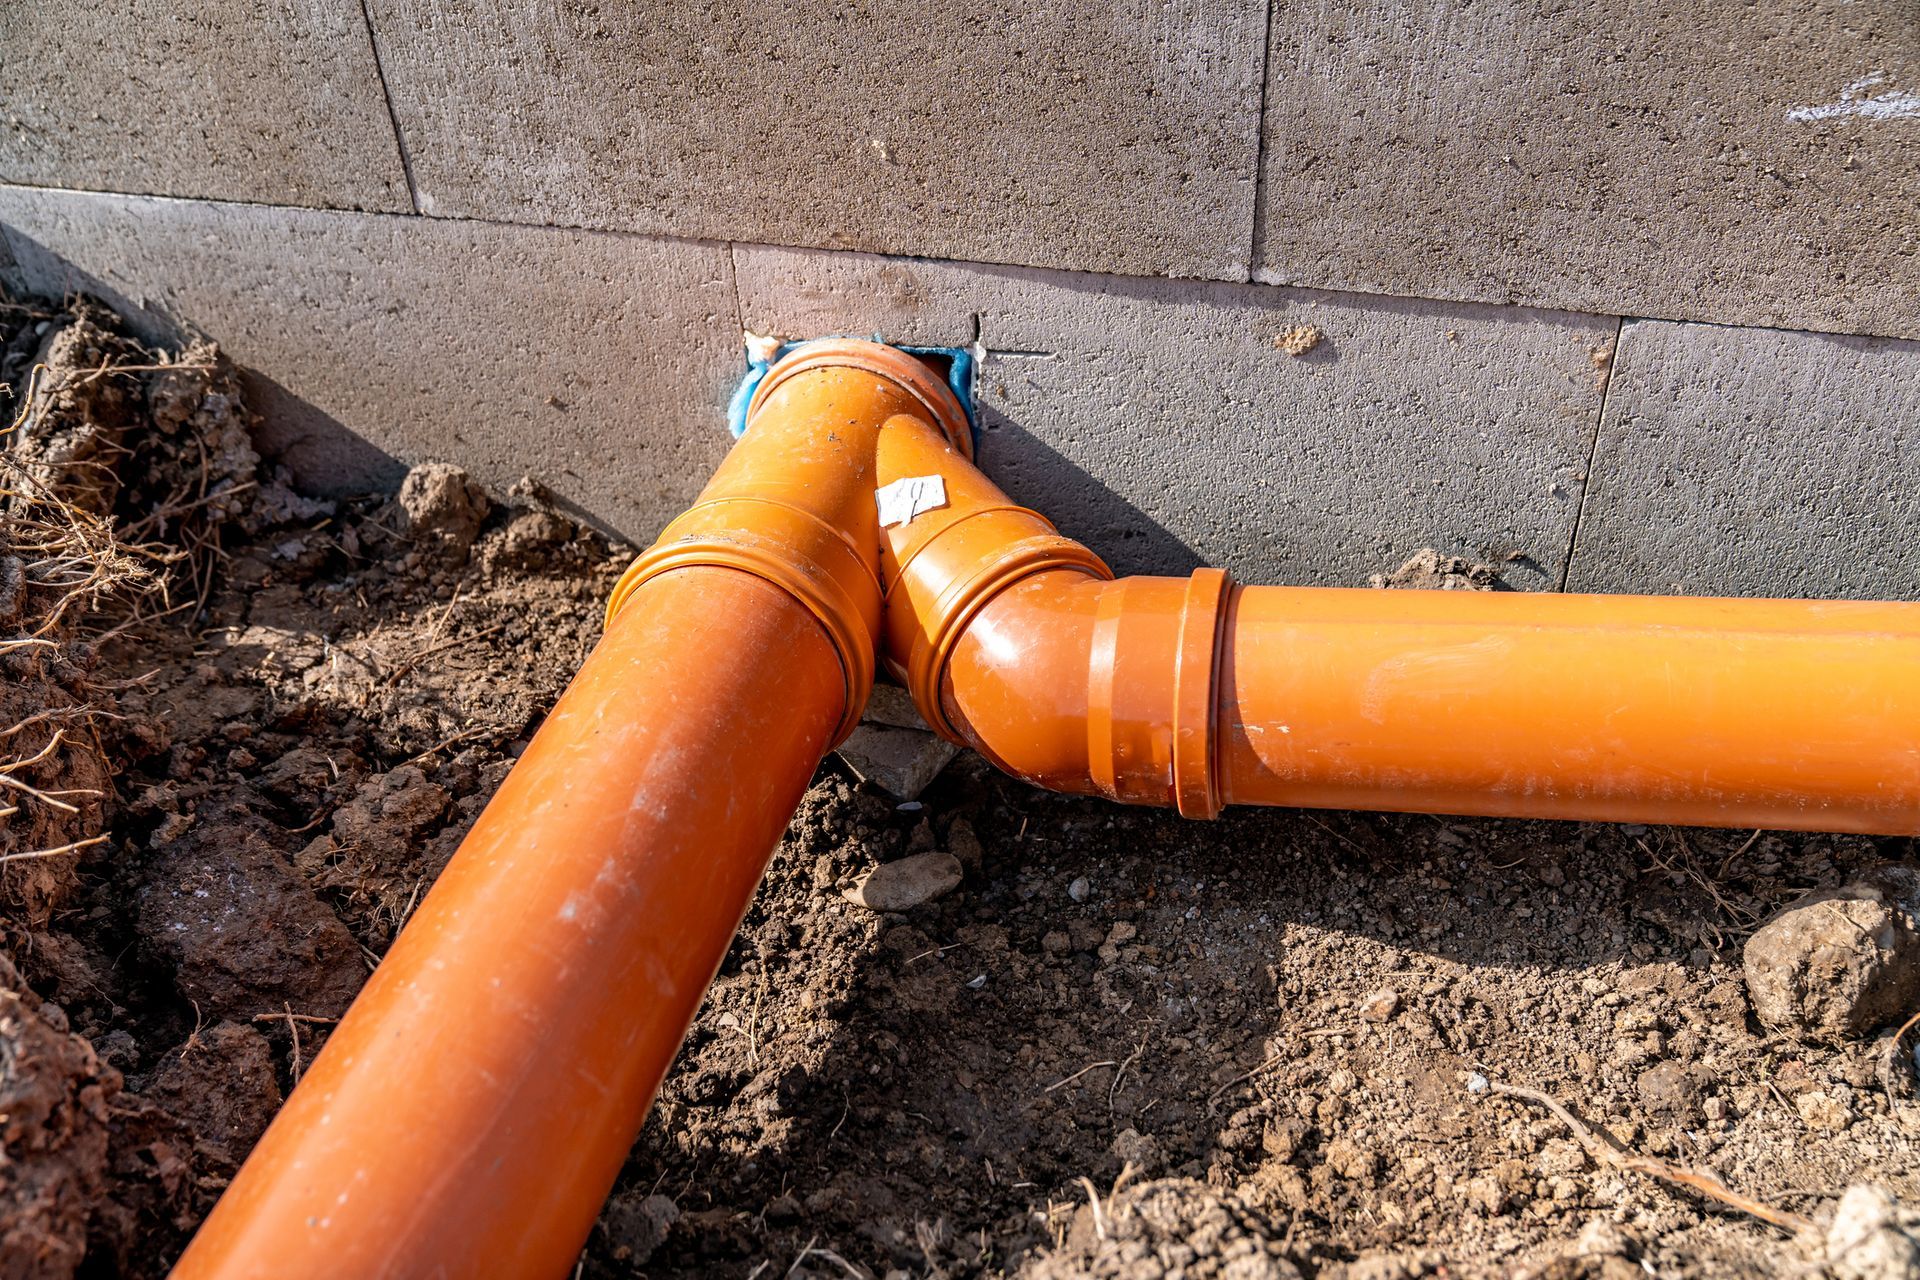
{"x": 907, "y": 883}
{"x": 54, "y": 1116}
{"x": 242, "y": 932}
{"x": 1821, "y": 1110}
{"x": 1873, "y": 1238}
{"x": 1602, "y": 1238}
{"x": 1141, "y": 1150}
{"x": 1602, "y": 1252}
{"x": 1672, "y": 1091}
{"x": 221, "y": 1084}
{"x": 1841, "y": 962}
{"x": 1381, "y": 1005}
{"x": 964, "y": 843}
{"x": 1351, "y": 1160}
{"x": 444, "y": 505}
{"x": 637, "y": 1225}
{"x": 901, "y": 762}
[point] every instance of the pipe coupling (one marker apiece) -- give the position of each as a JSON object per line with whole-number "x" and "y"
{"x": 1154, "y": 689}
{"x": 795, "y": 550}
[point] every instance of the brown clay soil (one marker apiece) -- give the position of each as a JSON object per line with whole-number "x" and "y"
{"x": 1126, "y": 1045}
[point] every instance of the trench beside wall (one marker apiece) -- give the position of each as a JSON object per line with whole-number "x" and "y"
{"x": 1626, "y": 298}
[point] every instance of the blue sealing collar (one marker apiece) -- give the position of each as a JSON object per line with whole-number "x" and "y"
{"x": 961, "y": 366}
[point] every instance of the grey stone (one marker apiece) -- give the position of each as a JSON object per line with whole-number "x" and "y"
{"x": 893, "y": 748}
{"x": 600, "y": 364}
{"x": 907, "y": 882}
{"x": 1840, "y": 962}
{"x": 226, "y": 99}
{"x": 1872, "y": 1237}
{"x": 1693, "y": 161}
{"x": 1158, "y": 421}
{"x": 892, "y": 705}
{"x": 901, "y": 762}
{"x": 1093, "y": 135}
{"x": 1751, "y": 462}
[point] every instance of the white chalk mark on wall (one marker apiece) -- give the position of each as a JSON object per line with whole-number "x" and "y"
{"x": 1893, "y": 104}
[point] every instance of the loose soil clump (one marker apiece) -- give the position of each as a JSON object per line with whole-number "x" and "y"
{"x": 1067, "y": 1038}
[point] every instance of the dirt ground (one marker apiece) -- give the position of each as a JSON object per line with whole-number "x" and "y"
{"x": 1126, "y": 1045}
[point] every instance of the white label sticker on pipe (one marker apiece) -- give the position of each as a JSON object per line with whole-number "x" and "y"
{"x": 902, "y": 500}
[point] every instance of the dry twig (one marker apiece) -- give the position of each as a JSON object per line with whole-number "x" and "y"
{"x": 1604, "y": 1149}
{"x": 293, "y": 1021}
{"x": 1245, "y": 1076}
{"x": 1091, "y": 1066}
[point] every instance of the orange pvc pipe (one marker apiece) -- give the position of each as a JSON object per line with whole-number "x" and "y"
{"x": 1194, "y": 693}
{"x": 1746, "y": 713}
{"x": 1783, "y": 714}
{"x": 468, "y": 1116}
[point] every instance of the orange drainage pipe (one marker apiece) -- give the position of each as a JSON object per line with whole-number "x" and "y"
{"x": 1196, "y": 692}
{"x": 469, "y": 1114}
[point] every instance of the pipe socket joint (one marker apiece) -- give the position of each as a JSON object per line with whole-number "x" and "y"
{"x": 1153, "y": 689}
{"x": 794, "y": 550}
{"x": 793, "y": 503}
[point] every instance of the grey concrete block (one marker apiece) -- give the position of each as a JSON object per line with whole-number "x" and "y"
{"x": 901, "y": 762}
{"x": 1159, "y": 422}
{"x": 1094, "y": 135}
{"x": 1755, "y": 462}
{"x": 228, "y": 99}
{"x": 1755, "y": 164}
{"x": 600, "y": 364}
{"x": 889, "y": 704}
{"x": 893, "y": 748}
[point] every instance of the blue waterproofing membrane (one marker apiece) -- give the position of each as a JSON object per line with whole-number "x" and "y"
{"x": 960, "y": 370}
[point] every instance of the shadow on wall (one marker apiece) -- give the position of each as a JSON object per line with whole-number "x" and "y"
{"x": 1253, "y": 459}
{"x": 293, "y": 432}
{"x": 1286, "y": 435}
{"x": 1036, "y": 475}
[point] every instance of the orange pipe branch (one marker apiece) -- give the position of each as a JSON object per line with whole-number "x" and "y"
{"x": 470, "y": 1113}
{"x": 1195, "y": 692}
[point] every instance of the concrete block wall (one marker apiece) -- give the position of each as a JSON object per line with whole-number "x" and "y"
{"x": 1625, "y": 299}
